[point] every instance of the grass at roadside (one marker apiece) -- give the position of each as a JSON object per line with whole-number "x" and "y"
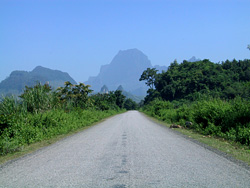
{"x": 236, "y": 150}
{"x": 27, "y": 149}
{"x": 36, "y": 146}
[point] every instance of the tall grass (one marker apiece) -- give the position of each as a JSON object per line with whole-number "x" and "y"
{"x": 38, "y": 98}
{"x": 40, "y": 126}
{"x": 10, "y": 105}
{"x": 227, "y": 119}
{"x": 40, "y": 114}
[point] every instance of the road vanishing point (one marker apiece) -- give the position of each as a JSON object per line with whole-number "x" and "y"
{"x": 126, "y": 150}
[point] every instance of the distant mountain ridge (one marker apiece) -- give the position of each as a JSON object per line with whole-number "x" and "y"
{"x": 193, "y": 59}
{"x": 125, "y": 69}
{"x": 16, "y": 82}
{"x": 128, "y": 95}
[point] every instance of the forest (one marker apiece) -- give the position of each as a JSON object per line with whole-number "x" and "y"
{"x": 41, "y": 113}
{"x": 210, "y": 98}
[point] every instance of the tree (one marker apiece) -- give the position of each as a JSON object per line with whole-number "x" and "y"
{"x": 149, "y": 75}
{"x": 129, "y": 104}
{"x": 77, "y": 95}
{"x": 120, "y": 98}
{"x": 102, "y": 101}
{"x": 173, "y": 65}
{"x": 37, "y": 98}
{"x": 80, "y": 95}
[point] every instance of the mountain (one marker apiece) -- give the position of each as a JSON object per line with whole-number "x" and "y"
{"x": 193, "y": 59}
{"x": 104, "y": 89}
{"x": 125, "y": 69}
{"x": 160, "y": 68}
{"x": 17, "y": 80}
{"x": 129, "y": 95}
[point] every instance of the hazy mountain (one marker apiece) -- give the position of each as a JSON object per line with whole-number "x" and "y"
{"x": 120, "y": 88}
{"x": 125, "y": 69}
{"x": 17, "y": 80}
{"x": 104, "y": 89}
{"x": 160, "y": 68}
{"x": 193, "y": 59}
{"x": 130, "y": 95}
{"x": 135, "y": 98}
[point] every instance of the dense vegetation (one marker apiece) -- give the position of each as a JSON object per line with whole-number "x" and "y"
{"x": 213, "y": 96}
{"x": 41, "y": 113}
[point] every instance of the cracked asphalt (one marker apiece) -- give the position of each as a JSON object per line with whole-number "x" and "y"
{"x": 127, "y": 150}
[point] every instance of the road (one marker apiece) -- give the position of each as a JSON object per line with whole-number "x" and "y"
{"x": 127, "y": 150}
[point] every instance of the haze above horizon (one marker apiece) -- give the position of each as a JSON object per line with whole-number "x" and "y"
{"x": 79, "y": 36}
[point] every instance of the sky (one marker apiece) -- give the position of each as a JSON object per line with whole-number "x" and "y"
{"x": 78, "y": 36}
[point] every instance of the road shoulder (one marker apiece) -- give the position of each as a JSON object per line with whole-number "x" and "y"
{"x": 231, "y": 151}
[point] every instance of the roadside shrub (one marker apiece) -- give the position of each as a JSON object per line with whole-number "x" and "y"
{"x": 6, "y": 121}
{"x": 36, "y": 127}
{"x": 212, "y": 116}
{"x": 211, "y": 129}
{"x": 168, "y": 115}
{"x": 154, "y": 107}
{"x": 237, "y": 114}
{"x": 37, "y": 98}
{"x": 184, "y": 113}
{"x": 9, "y": 105}
{"x": 40, "y": 114}
{"x": 210, "y": 112}
{"x": 243, "y": 135}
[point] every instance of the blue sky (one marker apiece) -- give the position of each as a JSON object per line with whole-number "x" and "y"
{"x": 78, "y": 36}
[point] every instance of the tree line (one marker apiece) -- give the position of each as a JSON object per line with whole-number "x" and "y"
{"x": 41, "y": 113}
{"x": 189, "y": 80}
{"x": 215, "y": 97}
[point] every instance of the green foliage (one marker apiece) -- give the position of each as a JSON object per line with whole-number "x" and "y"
{"x": 187, "y": 79}
{"x": 75, "y": 95}
{"x": 104, "y": 101}
{"x": 119, "y": 98}
{"x": 40, "y": 126}
{"x": 37, "y": 98}
{"x": 214, "y": 97}
{"x": 211, "y": 116}
{"x": 9, "y": 105}
{"x": 10, "y": 110}
{"x": 129, "y": 104}
{"x": 6, "y": 121}
{"x": 151, "y": 95}
{"x": 159, "y": 109}
{"x": 149, "y": 75}
{"x": 40, "y": 114}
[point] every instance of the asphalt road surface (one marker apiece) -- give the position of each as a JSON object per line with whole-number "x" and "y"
{"x": 127, "y": 150}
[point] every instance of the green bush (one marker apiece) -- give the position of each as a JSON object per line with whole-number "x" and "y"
{"x": 227, "y": 119}
{"x": 41, "y": 126}
{"x": 9, "y": 105}
{"x": 37, "y": 98}
{"x": 6, "y": 121}
{"x": 243, "y": 135}
{"x": 210, "y": 112}
{"x": 184, "y": 113}
{"x": 40, "y": 114}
